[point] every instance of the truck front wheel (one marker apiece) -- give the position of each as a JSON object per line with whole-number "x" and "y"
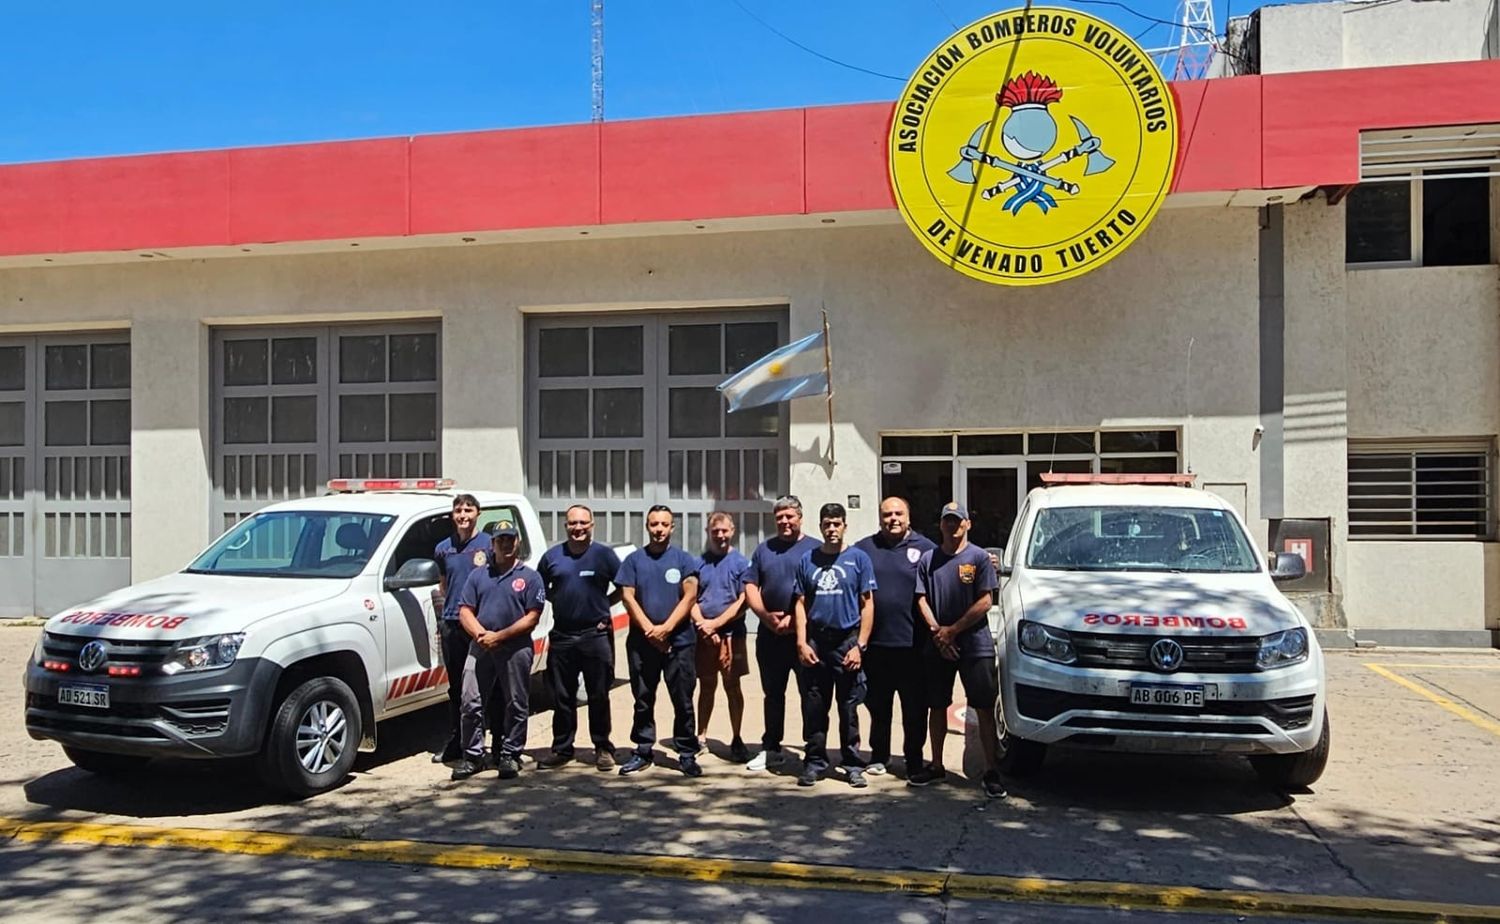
{"x": 1020, "y": 758}
{"x": 313, "y": 738}
{"x": 1295, "y": 771}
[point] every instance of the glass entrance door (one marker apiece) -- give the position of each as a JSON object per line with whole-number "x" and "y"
{"x": 993, "y": 493}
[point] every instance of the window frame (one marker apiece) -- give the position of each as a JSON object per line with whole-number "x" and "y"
{"x": 1484, "y": 447}
{"x": 1416, "y": 181}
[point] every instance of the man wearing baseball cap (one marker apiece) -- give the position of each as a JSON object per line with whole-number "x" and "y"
{"x": 954, "y": 582}
{"x": 500, "y": 606}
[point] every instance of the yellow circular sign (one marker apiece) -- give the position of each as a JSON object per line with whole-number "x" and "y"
{"x": 1033, "y": 145}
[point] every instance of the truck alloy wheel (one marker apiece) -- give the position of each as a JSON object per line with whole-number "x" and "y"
{"x": 313, "y": 738}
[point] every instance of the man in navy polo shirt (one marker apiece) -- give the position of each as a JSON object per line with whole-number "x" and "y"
{"x": 893, "y": 664}
{"x": 835, "y": 613}
{"x": 954, "y": 582}
{"x": 578, "y": 573}
{"x": 770, "y": 585}
{"x": 719, "y": 615}
{"x": 659, "y": 585}
{"x": 456, "y": 556}
{"x": 499, "y": 607}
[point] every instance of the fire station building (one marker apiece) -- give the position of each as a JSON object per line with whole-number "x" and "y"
{"x": 1311, "y": 326}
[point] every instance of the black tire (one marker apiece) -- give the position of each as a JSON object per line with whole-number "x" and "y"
{"x": 1295, "y": 771}
{"x": 318, "y": 722}
{"x": 104, "y": 763}
{"x": 1020, "y": 758}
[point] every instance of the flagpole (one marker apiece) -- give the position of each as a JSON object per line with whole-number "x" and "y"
{"x": 828, "y": 371}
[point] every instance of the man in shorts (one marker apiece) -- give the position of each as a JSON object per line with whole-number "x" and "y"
{"x": 719, "y": 616}
{"x": 954, "y": 583}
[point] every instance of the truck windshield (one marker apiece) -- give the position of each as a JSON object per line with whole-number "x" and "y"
{"x": 1174, "y": 539}
{"x": 296, "y": 544}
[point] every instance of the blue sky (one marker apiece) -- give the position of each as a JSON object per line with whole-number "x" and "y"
{"x": 91, "y": 78}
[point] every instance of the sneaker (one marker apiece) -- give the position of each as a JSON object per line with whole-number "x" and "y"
{"x": 554, "y": 760}
{"x": 765, "y": 760}
{"x": 688, "y": 764}
{"x": 508, "y": 767}
{"x": 875, "y": 769}
{"x": 927, "y": 776}
{"x": 738, "y": 752}
{"x": 992, "y": 785}
{"x": 604, "y": 761}
{"x": 857, "y": 778}
{"x": 466, "y": 768}
{"x": 808, "y": 776}
{"x": 635, "y": 764}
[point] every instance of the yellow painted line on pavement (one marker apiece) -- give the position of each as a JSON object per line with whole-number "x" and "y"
{"x": 776, "y": 874}
{"x": 1491, "y": 666}
{"x": 1488, "y": 724}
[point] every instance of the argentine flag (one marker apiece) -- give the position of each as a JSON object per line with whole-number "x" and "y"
{"x": 796, "y": 370}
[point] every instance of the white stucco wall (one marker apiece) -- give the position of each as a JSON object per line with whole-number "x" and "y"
{"x": 1423, "y": 355}
{"x": 916, "y": 345}
{"x": 1424, "y": 585}
{"x": 1328, "y": 36}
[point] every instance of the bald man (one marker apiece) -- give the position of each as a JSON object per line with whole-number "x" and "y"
{"x": 893, "y": 666}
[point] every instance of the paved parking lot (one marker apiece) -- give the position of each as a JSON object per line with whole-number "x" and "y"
{"x": 1408, "y": 807}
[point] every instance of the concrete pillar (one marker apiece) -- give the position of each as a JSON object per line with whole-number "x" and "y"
{"x": 483, "y": 397}
{"x": 1316, "y": 375}
{"x": 170, "y": 444}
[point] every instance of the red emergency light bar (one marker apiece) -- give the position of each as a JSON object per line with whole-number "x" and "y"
{"x": 1179, "y": 479}
{"x": 357, "y": 485}
{"x": 124, "y": 670}
{"x": 59, "y": 666}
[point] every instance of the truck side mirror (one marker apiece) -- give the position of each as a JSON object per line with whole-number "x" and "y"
{"x": 1288, "y": 566}
{"x": 997, "y": 556}
{"x": 416, "y": 572}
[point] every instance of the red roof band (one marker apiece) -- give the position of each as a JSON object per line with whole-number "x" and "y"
{"x": 1254, "y": 132}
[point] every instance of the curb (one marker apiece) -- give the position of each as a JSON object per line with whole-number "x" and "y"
{"x": 777, "y": 874}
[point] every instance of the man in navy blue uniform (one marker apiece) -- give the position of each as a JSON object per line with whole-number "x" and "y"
{"x": 500, "y": 606}
{"x": 770, "y": 585}
{"x": 659, "y": 585}
{"x": 719, "y": 616}
{"x": 456, "y": 556}
{"x": 578, "y": 573}
{"x": 893, "y": 664}
{"x": 954, "y": 583}
{"x": 835, "y": 613}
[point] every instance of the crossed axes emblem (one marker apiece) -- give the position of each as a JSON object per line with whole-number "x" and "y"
{"x": 1031, "y": 180}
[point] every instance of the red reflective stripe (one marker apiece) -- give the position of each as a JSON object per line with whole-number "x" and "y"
{"x": 442, "y": 675}
{"x": 403, "y": 686}
{"x": 619, "y": 620}
{"x": 427, "y": 678}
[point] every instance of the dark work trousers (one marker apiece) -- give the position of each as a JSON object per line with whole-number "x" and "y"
{"x": 828, "y": 683}
{"x": 593, "y": 657}
{"x": 455, "y": 650}
{"x": 889, "y": 673}
{"x": 776, "y": 656}
{"x": 648, "y": 667}
{"x": 497, "y": 681}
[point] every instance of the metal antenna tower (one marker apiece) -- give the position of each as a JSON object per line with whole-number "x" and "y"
{"x": 1195, "y": 41}
{"x": 596, "y": 58}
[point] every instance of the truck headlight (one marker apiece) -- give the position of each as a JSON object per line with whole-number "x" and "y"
{"x": 202, "y": 654}
{"x": 1047, "y": 643}
{"x": 1281, "y": 649}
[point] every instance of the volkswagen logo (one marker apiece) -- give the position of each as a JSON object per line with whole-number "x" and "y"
{"x": 1166, "y": 655}
{"x": 92, "y": 657}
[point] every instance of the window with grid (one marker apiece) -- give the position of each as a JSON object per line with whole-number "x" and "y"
{"x": 1431, "y": 218}
{"x": 1427, "y": 492}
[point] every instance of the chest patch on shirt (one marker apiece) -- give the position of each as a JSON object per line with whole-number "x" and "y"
{"x": 479, "y": 559}
{"x": 828, "y": 579}
{"x": 966, "y": 573}
{"x": 518, "y": 585}
{"x": 673, "y": 576}
{"x": 913, "y": 555}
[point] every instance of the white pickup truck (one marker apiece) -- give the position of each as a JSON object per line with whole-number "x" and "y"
{"x": 1141, "y": 617}
{"x": 288, "y": 639}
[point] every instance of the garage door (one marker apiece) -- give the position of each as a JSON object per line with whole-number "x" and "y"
{"x": 294, "y": 407}
{"x": 622, "y": 414}
{"x": 64, "y": 471}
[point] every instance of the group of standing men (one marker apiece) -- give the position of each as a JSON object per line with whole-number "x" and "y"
{"x": 892, "y": 616}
